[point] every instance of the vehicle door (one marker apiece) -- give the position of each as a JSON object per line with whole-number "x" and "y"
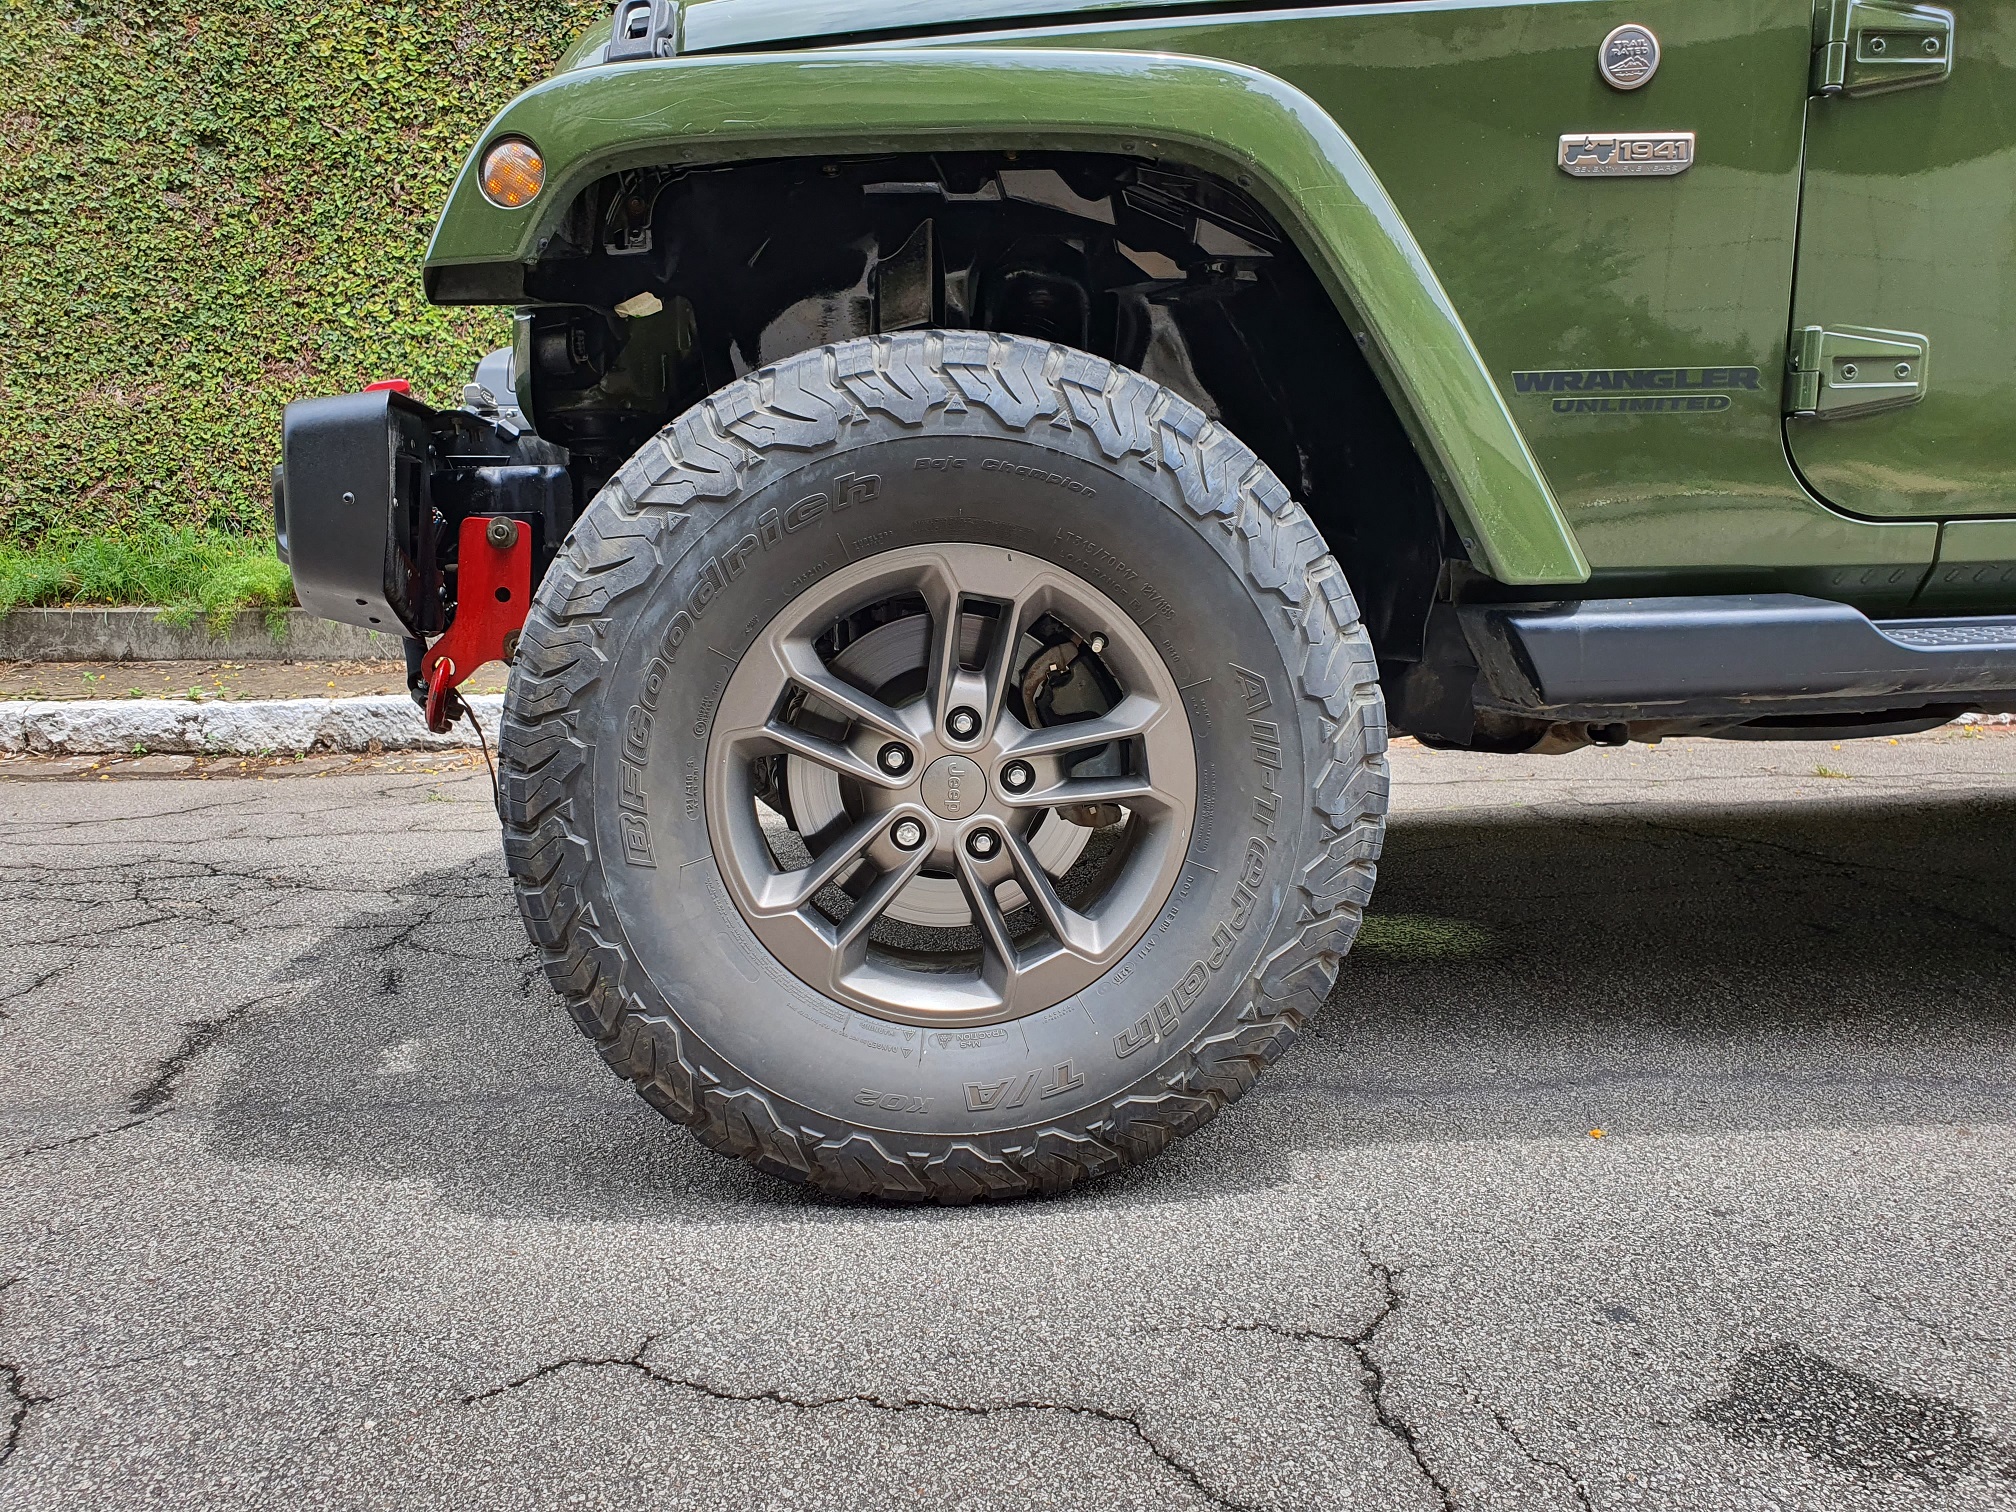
{"x": 1902, "y": 402}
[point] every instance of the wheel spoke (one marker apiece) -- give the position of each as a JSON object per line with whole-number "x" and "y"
{"x": 801, "y": 663}
{"x": 942, "y": 600}
{"x": 1081, "y": 790}
{"x": 1074, "y": 931}
{"x": 787, "y": 892}
{"x": 998, "y": 673}
{"x": 1136, "y": 714}
{"x": 1002, "y": 953}
{"x": 828, "y": 753}
{"x": 983, "y": 689}
{"x": 850, "y": 936}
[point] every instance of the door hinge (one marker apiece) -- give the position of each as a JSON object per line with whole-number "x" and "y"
{"x": 1864, "y": 47}
{"x": 643, "y": 29}
{"x": 1839, "y": 371}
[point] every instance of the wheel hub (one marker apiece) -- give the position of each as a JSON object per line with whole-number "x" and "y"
{"x": 954, "y": 787}
{"x": 923, "y": 690}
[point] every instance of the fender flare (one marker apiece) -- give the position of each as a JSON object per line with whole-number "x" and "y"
{"x": 1248, "y": 126}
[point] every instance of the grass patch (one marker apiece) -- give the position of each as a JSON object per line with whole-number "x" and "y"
{"x": 1419, "y": 937}
{"x": 211, "y": 208}
{"x": 190, "y": 573}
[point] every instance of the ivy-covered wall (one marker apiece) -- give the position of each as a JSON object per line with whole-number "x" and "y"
{"x": 209, "y": 208}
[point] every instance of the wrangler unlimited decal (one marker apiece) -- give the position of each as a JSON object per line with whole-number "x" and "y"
{"x": 1637, "y": 391}
{"x": 1615, "y": 380}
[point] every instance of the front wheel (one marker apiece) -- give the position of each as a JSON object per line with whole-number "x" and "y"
{"x": 941, "y": 766}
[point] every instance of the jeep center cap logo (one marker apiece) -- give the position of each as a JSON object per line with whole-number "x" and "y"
{"x": 1628, "y": 57}
{"x": 953, "y": 787}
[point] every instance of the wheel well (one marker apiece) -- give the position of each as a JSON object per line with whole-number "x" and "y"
{"x": 664, "y": 283}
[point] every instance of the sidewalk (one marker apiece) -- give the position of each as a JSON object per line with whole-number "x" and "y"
{"x": 261, "y": 710}
{"x": 70, "y": 680}
{"x": 219, "y": 708}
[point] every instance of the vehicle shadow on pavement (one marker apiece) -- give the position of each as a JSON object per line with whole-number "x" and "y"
{"x": 1648, "y": 971}
{"x": 1667, "y": 971}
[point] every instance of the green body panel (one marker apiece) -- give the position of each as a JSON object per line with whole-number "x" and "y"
{"x": 1909, "y": 223}
{"x": 714, "y": 25}
{"x": 1976, "y": 569}
{"x": 1393, "y": 139}
{"x": 1235, "y": 120}
{"x": 587, "y": 48}
{"x": 1459, "y": 109}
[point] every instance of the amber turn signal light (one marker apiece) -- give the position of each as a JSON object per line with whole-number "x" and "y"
{"x": 513, "y": 173}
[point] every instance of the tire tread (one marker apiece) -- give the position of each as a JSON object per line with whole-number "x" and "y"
{"x": 697, "y": 465}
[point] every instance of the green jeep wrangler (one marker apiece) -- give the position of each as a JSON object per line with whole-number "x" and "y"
{"x": 976, "y": 481}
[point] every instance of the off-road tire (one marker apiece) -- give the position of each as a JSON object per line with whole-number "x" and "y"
{"x": 1215, "y": 1006}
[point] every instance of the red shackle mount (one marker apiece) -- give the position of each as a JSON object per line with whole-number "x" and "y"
{"x": 493, "y": 593}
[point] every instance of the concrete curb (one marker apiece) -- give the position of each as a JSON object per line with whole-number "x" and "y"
{"x": 39, "y": 635}
{"x": 254, "y": 727}
{"x": 271, "y": 726}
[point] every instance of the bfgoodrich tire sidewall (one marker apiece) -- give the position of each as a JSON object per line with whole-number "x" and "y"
{"x": 693, "y": 956}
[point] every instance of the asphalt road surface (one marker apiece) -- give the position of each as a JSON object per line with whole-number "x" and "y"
{"x": 312, "y": 1197}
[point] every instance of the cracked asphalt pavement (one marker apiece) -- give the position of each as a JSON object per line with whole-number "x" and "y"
{"x": 311, "y": 1195}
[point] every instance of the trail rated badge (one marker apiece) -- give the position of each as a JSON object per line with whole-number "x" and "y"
{"x": 1628, "y": 57}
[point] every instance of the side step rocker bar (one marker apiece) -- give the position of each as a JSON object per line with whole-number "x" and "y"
{"x": 1749, "y": 654}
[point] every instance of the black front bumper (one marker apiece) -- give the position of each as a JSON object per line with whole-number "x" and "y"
{"x": 372, "y": 489}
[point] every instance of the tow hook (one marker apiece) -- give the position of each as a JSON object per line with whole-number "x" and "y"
{"x": 493, "y": 593}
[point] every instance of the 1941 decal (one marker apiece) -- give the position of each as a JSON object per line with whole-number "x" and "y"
{"x": 1626, "y": 154}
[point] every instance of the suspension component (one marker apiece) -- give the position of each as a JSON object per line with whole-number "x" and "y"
{"x": 493, "y": 593}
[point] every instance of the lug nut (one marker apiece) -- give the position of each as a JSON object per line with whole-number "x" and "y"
{"x": 1017, "y": 776}
{"x": 895, "y": 758}
{"x": 963, "y": 723}
{"x": 982, "y": 844}
{"x": 908, "y": 834}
